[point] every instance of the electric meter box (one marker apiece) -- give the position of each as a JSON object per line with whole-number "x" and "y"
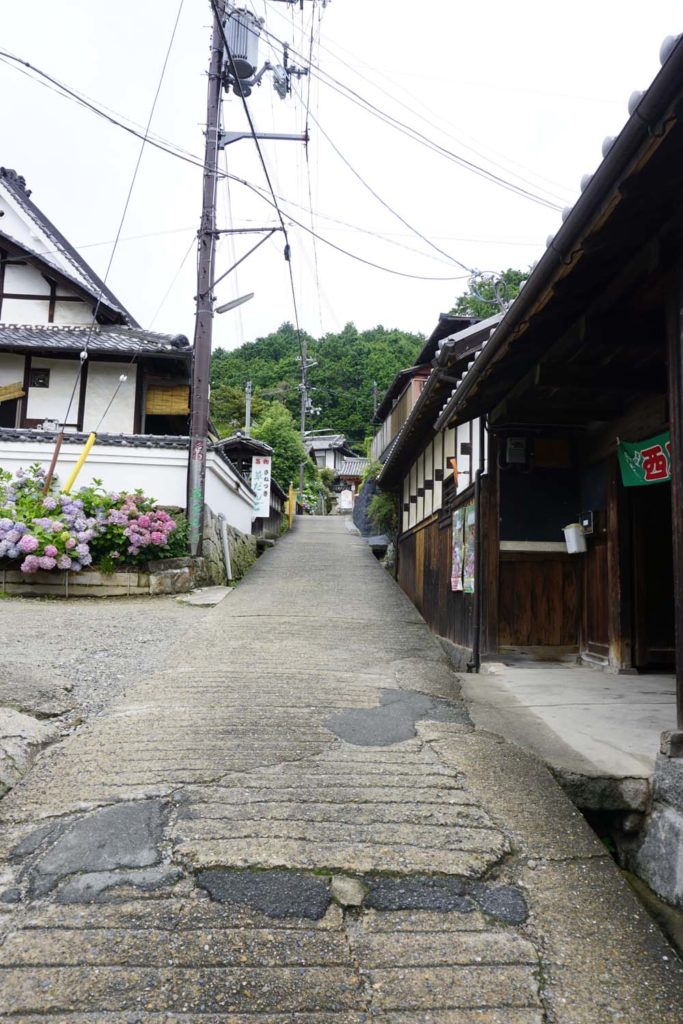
{"x": 515, "y": 451}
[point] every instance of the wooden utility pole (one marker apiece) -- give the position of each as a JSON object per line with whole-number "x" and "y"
{"x": 201, "y": 356}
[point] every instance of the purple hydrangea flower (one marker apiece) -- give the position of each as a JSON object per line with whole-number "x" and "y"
{"x": 30, "y": 564}
{"x": 49, "y": 504}
{"x": 6, "y": 524}
{"x": 63, "y": 562}
{"x": 82, "y": 549}
{"x": 13, "y": 551}
{"x": 47, "y": 563}
{"x": 86, "y": 559}
{"x": 76, "y": 566}
{"x": 13, "y": 536}
{"x": 70, "y": 544}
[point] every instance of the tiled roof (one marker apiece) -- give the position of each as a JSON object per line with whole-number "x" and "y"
{"x": 353, "y": 467}
{"x": 109, "y": 338}
{"x": 81, "y": 272}
{"x": 321, "y": 442}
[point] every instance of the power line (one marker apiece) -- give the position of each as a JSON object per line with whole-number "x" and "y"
{"x": 170, "y": 149}
{"x": 384, "y": 203}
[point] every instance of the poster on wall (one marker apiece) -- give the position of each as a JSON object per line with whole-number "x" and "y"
{"x": 260, "y": 484}
{"x": 645, "y": 462}
{"x": 470, "y": 550}
{"x": 458, "y": 549}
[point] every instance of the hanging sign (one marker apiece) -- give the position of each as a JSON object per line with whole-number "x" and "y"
{"x": 458, "y": 549}
{"x": 645, "y": 462}
{"x": 470, "y": 549}
{"x": 260, "y": 483}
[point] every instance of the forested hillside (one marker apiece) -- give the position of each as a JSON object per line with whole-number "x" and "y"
{"x": 341, "y": 383}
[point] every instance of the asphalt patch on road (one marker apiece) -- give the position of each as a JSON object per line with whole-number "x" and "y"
{"x": 505, "y": 903}
{"x": 123, "y": 836}
{"x": 394, "y": 720}
{"x": 273, "y": 893}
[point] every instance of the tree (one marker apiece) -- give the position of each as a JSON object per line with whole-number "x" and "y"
{"x": 487, "y": 294}
{"x": 348, "y": 364}
{"x": 228, "y": 408}
{"x": 277, "y": 428}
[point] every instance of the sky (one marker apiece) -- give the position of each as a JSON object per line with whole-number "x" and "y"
{"x": 526, "y": 92}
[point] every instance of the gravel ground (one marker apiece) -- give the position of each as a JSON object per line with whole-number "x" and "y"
{"x": 91, "y": 648}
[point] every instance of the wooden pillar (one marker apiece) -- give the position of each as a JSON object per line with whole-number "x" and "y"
{"x": 490, "y": 550}
{"x": 618, "y": 575}
{"x": 672, "y": 742}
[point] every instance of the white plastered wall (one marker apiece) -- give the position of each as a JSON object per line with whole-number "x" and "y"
{"x": 420, "y": 487}
{"x": 52, "y": 402}
{"x": 405, "y": 520}
{"x": 429, "y": 479}
{"x": 101, "y": 383}
{"x": 160, "y": 472}
{"x": 438, "y": 464}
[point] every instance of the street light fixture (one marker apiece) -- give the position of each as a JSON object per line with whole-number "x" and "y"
{"x": 234, "y": 303}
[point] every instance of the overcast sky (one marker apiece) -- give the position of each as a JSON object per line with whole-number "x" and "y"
{"x": 526, "y": 91}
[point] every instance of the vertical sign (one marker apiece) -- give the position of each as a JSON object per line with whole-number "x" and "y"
{"x": 260, "y": 483}
{"x": 458, "y": 549}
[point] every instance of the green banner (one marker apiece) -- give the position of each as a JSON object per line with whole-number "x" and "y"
{"x": 645, "y": 462}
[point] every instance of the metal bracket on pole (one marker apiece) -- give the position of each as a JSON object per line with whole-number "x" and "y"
{"x": 226, "y": 138}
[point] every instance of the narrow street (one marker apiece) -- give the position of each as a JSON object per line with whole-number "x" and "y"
{"x": 294, "y": 820}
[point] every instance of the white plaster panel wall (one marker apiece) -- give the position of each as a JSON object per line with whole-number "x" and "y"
{"x": 405, "y": 517}
{"x": 51, "y": 403}
{"x": 25, "y": 279}
{"x": 413, "y": 492}
{"x": 72, "y": 313}
{"x": 226, "y": 494}
{"x": 429, "y": 479}
{"x": 448, "y": 449}
{"x": 25, "y": 311}
{"x": 11, "y": 368}
{"x": 464, "y": 461}
{"x": 438, "y": 464}
{"x": 102, "y": 381}
{"x": 475, "y": 446}
{"x": 420, "y": 512}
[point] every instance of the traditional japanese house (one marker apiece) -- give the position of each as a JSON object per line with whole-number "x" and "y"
{"x": 73, "y": 358}
{"x": 242, "y": 451}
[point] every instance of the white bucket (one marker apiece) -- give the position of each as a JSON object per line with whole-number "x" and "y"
{"x": 575, "y": 538}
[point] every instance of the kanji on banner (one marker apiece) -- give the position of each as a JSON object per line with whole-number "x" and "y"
{"x": 645, "y": 462}
{"x": 260, "y": 484}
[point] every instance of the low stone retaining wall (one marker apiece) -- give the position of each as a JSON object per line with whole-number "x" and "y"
{"x": 90, "y": 583}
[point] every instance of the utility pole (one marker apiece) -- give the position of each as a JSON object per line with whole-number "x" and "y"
{"x": 247, "y": 409}
{"x": 303, "y": 388}
{"x": 201, "y": 355}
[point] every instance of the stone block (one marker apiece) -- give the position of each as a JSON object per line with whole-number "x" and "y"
{"x": 669, "y": 781}
{"x": 171, "y": 581}
{"x": 659, "y": 860}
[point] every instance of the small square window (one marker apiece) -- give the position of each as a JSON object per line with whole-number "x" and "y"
{"x": 39, "y": 379}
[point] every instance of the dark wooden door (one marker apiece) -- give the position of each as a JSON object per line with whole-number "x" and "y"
{"x": 653, "y": 593}
{"x": 595, "y": 631}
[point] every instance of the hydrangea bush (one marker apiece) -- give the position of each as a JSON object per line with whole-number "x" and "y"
{"x": 65, "y": 531}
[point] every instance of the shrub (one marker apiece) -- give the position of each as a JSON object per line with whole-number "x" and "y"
{"x": 64, "y": 531}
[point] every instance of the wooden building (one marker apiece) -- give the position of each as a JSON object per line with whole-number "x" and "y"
{"x": 586, "y": 360}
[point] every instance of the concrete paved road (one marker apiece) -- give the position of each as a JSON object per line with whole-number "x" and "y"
{"x": 294, "y": 821}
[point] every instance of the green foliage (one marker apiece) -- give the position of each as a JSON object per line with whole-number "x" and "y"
{"x": 371, "y": 471}
{"x": 327, "y": 476}
{"x": 342, "y": 382}
{"x": 277, "y": 428}
{"x": 228, "y": 408}
{"x": 485, "y": 294}
{"x": 383, "y": 510}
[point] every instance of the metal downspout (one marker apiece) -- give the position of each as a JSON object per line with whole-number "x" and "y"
{"x": 475, "y": 664}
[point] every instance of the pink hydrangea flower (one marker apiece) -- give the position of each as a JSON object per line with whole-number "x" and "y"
{"x": 30, "y": 564}
{"x": 50, "y": 551}
{"x": 70, "y": 544}
{"x": 47, "y": 563}
{"x": 157, "y": 538}
{"x": 27, "y": 544}
{"x": 144, "y": 521}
